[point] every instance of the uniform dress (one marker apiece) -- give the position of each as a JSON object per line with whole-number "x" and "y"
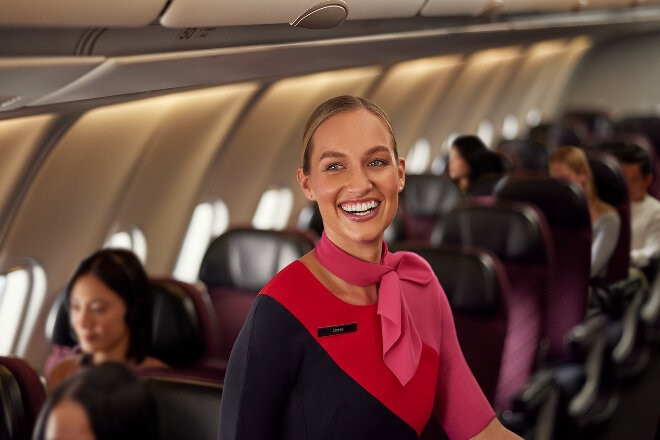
{"x": 308, "y": 365}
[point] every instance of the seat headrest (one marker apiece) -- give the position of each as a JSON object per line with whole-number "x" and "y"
{"x": 248, "y": 258}
{"x": 176, "y": 331}
{"x": 527, "y": 154}
{"x": 562, "y": 202}
{"x": 58, "y": 328}
{"x": 429, "y": 195}
{"x": 472, "y": 279}
{"x": 608, "y": 177}
{"x": 512, "y": 231}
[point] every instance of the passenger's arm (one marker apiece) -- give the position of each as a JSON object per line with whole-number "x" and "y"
{"x": 640, "y": 257}
{"x": 260, "y": 374}
{"x": 604, "y": 241}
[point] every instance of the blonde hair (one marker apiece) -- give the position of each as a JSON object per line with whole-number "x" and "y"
{"x": 331, "y": 107}
{"x": 576, "y": 160}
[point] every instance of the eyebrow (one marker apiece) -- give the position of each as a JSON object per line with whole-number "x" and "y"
{"x": 374, "y": 150}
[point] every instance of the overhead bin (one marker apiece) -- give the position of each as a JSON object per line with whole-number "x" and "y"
{"x": 435, "y": 8}
{"x": 77, "y": 13}
{"x": 25, "y": 80}
{"x": 199, "y": 13}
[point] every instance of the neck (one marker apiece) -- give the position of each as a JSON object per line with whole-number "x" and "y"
{"x": 368, "y": 250}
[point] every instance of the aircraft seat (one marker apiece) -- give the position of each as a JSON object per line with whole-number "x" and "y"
{"x": 182, "y": 330}
{"x": 476, "y": 286}
{"x": 611, "y": 187}
{"x": 22, "y": 394}
{"x": 565, "y": 210}
{"x": 519, "y": 236}
{"x": 237, "y": 264}
{"x": 186, "y": 408}
{"x": 525, "y": 155}
{"x": 424, "y": 201}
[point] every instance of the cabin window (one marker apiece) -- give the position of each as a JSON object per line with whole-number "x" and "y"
{"x": 418, "y": 157}
{"x": 510, "y": 127}
{"x": 132, "y": 239}
{"x": 22, "y": 292}
{"x": 208, "y": 221}
{"x": 485, "y": 132}
{"x": 274, "y": 209}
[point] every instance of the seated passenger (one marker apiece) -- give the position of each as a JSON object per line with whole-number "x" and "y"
{"x": 644, "y": 208}
{"x": 571, "y": 163}
{"x": 110, "y": 307}
{"x": 470, "y": 159}
{"x": 107, "y": 401}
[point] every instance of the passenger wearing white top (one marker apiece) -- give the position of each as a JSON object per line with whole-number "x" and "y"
{"x": 645, "y": 209}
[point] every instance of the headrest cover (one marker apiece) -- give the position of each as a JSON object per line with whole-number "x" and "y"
{"x": 609, "y": 180}
{"x": 510, "y": 231}
{"x": 470, "y": 278}
{"x": 58, "y": 329}
{"x": 249, "y": 258}
{"x": 429, "y": 195}
{"x": 176, "y": 332}
{"x": 562, "y": 202}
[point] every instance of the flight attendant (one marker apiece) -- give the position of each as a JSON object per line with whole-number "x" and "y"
{"x": 352, "y": 341}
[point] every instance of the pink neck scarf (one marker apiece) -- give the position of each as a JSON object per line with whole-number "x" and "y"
{"x": 402, "y": 345}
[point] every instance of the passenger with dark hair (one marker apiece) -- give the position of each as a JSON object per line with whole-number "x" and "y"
{"x": 110, "y": 306}
{"x": 470, "y": 159}
{"x": 352, "y": 341}
{"x": 108, "y": 401}
{"x": 644, "y": 208}
{"x": 571, "y": 163}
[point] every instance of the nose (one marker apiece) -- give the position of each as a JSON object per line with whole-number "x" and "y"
{"x": 359, "y": 181}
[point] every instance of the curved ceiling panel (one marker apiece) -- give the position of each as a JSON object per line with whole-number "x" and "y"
{"x": 195, "y": 13}
{"x": 75, "y": 13}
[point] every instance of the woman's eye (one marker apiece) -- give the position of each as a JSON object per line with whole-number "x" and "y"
{"x": 332, "y": 167}
{"x": 377, "y": 162}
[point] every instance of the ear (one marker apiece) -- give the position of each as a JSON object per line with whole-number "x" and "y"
{"x": 303, "y": 181}
{"x": 402, "y": 173}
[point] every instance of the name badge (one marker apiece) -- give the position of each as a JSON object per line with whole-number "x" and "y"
{"x": 337, "y": 329}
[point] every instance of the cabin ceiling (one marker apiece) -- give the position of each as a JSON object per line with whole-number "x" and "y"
{"x": 77, "y": 52}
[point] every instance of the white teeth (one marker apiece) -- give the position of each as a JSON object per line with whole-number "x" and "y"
{"x": 359, "y": 208}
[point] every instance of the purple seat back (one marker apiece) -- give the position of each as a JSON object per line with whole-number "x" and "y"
{"x": 565, "y": 210}
{"x": 238, "y": 264}
{"x": 477, "y": 289}
{"x": 518, "y": 235}
{"x": 26, "y": 403}
{"x": 611, "y": 187}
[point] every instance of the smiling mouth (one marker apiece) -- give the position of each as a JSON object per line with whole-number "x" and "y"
{"x": 359, "y": 209}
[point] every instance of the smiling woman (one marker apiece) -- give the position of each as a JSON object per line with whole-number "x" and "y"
{"x": 351, "y": 332}
{"x": 110, "y": 308}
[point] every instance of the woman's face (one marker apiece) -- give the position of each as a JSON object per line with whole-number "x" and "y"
{"x": 67, "y": 421}
{"x": 559, "y": 170}
{"x": 354, "y": 177}
{"x": 98, "y": 318}
{"x": 458, "y": 166}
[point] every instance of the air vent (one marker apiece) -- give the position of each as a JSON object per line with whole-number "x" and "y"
{"x": 324, "y": 15}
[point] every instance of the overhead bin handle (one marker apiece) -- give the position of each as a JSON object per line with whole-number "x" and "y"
{"x": 324, "y": 15}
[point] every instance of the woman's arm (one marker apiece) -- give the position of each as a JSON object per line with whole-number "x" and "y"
{"x": 495, "y": 431}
